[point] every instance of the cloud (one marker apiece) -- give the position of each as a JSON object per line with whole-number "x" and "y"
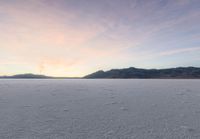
{"x": 64, "y": 37}
{"x": 178, "y": 51}
{"x": 44, "y": 26}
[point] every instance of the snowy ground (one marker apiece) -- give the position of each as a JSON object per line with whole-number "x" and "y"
{"x": 99, "y": 109}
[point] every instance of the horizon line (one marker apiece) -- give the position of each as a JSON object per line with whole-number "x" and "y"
{"x": 49, "y": 76}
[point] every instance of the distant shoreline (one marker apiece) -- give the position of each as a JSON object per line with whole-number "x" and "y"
{"x": 101, "y": 78}
{"x": 127, "y": 73}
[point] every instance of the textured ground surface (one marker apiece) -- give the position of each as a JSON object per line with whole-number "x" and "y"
{"x": 99, "y": 109}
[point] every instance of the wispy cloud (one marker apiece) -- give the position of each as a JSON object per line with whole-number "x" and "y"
{"x": 72, "y": 38}
{"x": 178, "y": 51}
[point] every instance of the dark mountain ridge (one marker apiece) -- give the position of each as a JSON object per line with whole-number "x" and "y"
{"x": 34, "y": 76}
{"x": 126, "y": 73}
{"x": 27, "y": 76}
{"x": 180, "y": 72}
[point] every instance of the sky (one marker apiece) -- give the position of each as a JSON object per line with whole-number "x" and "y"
{"x": 73, "y": 38}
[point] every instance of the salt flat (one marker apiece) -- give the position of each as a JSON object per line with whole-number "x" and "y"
{"x": 100, "y": 109}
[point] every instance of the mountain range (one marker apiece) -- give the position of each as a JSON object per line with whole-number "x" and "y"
{"x": 27, "y": 76}
{"x": 126, "y": 73}
{"x": 180, "y": 72}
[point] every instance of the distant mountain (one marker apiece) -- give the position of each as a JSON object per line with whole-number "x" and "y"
{"x": 180, "y": 72}
{"x": 34, "y": 76}
{"x": 137, "y": 73}
{"x": 27, "y": 76}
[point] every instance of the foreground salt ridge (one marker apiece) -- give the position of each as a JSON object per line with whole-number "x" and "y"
{"x": 99, "y": 109}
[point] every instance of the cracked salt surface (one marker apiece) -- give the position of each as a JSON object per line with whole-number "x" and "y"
{"x": 99, "y": 109}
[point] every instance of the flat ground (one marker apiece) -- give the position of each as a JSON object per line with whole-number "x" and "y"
{"x": 100, "y": 109}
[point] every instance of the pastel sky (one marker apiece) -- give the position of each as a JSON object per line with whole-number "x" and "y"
{"x": 77, "y": 37}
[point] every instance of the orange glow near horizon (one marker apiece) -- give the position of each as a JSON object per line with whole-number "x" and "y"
{"x": 71, "y": 38}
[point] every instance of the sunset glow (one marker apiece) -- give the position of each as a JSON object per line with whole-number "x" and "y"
{"x": 73, "y": 38}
